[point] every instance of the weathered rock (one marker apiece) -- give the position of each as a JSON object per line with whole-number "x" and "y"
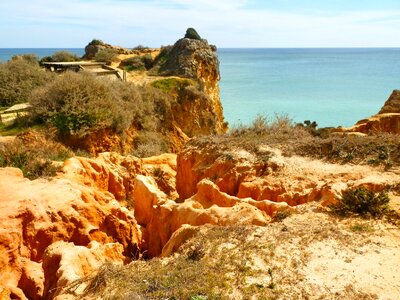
{"x": 91, "y": 50}
{"x": 65, "y": 263}
{"x": 196, "y": 59}
{"x": 392, "y": 105}
{"x": 161, "y": 217}
{"x": 387, "y": 122}
{"x": 267, "y": 175}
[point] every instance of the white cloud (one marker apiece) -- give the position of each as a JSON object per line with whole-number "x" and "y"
{"x": 226, "y": 23}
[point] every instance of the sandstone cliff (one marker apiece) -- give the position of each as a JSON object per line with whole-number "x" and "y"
{"x": 197, "y": 113}
{"x": 188, "y": 73}
{"x": 115, "y": 208}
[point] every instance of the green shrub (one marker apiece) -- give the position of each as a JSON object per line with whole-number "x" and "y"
{"x": 34, "y": 158}
{"x": 64, "y": 56}
{"x": 191, "y": 33}
{"x": 138, "y": 63}
{"x": 96, "y": 42}
{"x": 78, "y": 103}
{"x": 362, "y": 201}
{"x": 18, "y": 78}
{"x": 169, "y": 84}
{"x": 107, "y": 55}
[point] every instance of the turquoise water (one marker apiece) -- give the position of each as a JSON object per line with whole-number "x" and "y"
{"x": 8, "y": 53}
{"x": 330, "y": 86}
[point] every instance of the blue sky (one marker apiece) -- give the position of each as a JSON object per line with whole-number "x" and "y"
{"x": 225, "y": 23}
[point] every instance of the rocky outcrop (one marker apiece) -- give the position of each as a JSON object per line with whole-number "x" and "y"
{"x": 56, "y": 231}
{"x": 392, "y": 105}
{"x": 387, "y": 122}
{"x": 264, "y": 174}
{"x": 196, "y": 59}
{"x": 115, "y": 208}
{"x": 91, "y": 49}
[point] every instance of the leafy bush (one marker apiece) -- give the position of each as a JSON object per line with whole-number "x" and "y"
{"x": 61, "y": 56}
{"x": 362, "y": 201}
{"x": 133, "y": 64}
{"x": 107, "y": 55}
{"x": 78, "y": 103}
{"x": 34, "y": 157}
{"x": 17, "y": 80}
{"x": 138, "y": 63}
{"x": 64, "y": 56}
{"x": 191, "y": 33}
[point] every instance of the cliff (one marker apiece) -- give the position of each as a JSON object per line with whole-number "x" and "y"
{"x": 187, "y": 73}
{"x": 117, "y": 209}
{"x": 196, "y": 59}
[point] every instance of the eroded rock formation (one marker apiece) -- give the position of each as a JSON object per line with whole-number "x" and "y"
{"x": 114, "y": 208}
{"x": 196, "y": 59}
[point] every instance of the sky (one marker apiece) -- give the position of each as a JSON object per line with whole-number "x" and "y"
{"x": 225, "y": 23}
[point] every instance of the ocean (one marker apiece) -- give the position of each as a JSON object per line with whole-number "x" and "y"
{"x": 334, "y": 87}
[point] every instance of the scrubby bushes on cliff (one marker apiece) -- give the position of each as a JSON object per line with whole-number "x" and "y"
{"x": 107, "y": 55}
{"x": 18, "y": 78}
{"x": 78, "y": 103}
{"x": 362, "y": 201}
{"x": 191, "y": 33}
{"x": 61, "y": 56}
{"x": 34, "y": 155}
{"x": 138, "y": 63}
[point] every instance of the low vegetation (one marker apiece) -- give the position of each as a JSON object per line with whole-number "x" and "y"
{"x": 306, "y": 140}
{"x": 363, "y": 202}
{"x": 96, "y": 42}
{"x": 239, "y": 262}
{"x": 79, "y": 104}
{"x": 191, "y": 33}
{"x": 34, "y": 156}
{"x": 18, "y": 78}
{"x": 172, "y": 84}
{"x": 107, "y": 55}
{"x": 138, "y": 63}
{"x": 61, "y": 56}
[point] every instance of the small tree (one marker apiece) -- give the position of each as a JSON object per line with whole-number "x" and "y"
{"x": 191, "y": 33}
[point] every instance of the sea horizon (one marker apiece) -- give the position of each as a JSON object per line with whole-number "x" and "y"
{"x": 334, "y": 86}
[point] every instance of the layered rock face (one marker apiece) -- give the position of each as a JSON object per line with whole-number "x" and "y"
{"x": 115, "y": 209}
{"x": 387, "y": 120}
{"x": 193, "y": 108}
{"x": 392, "y": 105}
{"x": 199, "y": 111}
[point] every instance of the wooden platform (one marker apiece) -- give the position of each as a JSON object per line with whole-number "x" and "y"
{"x": 97, "y": 68}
